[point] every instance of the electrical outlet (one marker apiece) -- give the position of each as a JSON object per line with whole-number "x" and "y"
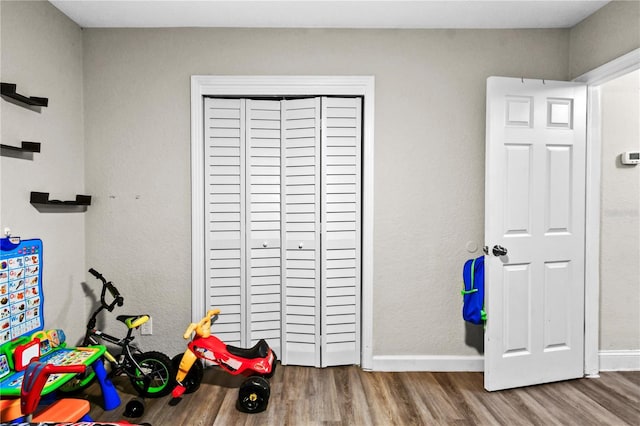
{"x": 147, "y": 328}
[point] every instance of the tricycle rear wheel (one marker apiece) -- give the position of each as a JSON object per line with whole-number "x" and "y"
{"x": 253, "y": 395}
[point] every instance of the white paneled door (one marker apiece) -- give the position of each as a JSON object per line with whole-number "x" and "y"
{"x": 535, "y": 209}
{"x": 283, "y": 206}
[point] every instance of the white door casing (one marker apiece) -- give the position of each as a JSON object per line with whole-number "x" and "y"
{"x": 203, "y": 86}
{"x": 535, "y": 207}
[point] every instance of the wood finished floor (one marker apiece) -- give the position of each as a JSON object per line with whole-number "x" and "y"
{"x": 350, "y": 396}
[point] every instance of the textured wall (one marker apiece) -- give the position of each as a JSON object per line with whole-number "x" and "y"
{"x": 42, "y": 54}
{"x": 429, "y": 158}
{"x": 606, "y": 35}
{"x": 620, "y": 241}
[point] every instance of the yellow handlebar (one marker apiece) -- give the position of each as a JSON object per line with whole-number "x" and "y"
{"x": 202, "y": 328}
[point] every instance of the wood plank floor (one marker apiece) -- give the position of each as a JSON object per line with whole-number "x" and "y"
{"x": 350, "y": 396}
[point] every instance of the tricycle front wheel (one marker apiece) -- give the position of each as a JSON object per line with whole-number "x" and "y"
{"x": 192, "y": 380}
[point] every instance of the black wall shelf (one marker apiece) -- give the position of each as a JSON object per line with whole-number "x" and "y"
{"x": 9, "y": 90}
{"x": 25, "y": 147}
{"x": 41, "y": 201}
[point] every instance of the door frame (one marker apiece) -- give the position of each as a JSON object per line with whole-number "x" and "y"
{"x": 594, "y": 79}
{"x": 247, "y": 86}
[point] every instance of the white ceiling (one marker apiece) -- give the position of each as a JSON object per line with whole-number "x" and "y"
{"x": 328, "y": 13}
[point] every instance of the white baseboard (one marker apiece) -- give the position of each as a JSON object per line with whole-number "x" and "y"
{"x": 427, "y": 363}
{"x": 622, "y": 360}
{"x": 626, "y": 360}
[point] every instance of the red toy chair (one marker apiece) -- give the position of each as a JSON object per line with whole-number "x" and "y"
{"x": 65, "y": 410}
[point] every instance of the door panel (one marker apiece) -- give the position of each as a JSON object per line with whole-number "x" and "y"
{"x": 224, "y": 186}
{"x": 535, "y": 189}
{"x": 263, "y": 222}
{"x": 341, "y": 163}
{"x": 301, "y": 231}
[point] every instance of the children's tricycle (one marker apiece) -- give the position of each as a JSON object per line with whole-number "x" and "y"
{"x": 257, "y": 364}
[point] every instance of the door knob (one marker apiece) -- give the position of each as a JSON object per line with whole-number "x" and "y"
{"x": 499, "y": 250}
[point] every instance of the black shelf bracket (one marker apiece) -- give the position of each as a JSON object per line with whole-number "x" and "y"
{"x": 25, "y": 151}
{"x": 41, "y": 201}
{"x": 9, "y": 90}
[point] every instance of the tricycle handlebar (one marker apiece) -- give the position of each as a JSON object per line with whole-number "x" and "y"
{"x": 202, "y": 328}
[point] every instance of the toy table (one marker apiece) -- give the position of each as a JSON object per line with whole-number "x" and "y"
{"x": 10, "y": 386}
{"x": 22, "y": 321}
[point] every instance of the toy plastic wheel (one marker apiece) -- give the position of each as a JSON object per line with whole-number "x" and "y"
{"x": 156, "y": 376}
{"x": 253, "y": 396}
{"x": 192, "y": 380}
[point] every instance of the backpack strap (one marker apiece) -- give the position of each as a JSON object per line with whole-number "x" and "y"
{"x": 472, "y": 289}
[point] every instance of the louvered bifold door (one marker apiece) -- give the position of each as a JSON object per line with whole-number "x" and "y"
{"x": 340, "y": 272}
{"x": 224, "y": 173}
{"x": 301, "y": 231}
{"x": 263, "y": 222}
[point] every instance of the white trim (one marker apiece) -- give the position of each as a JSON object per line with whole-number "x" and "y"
{"x": 428, "y": 363}
{"x": 620, "y": 360}
{"x": 592, "y": 234}
{"x": 203, "y": 85}
{"x": 609, "y": 71}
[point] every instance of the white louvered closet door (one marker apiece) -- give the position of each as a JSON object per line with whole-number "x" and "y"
{"x": 224, "y": 134}
{"x": 301, "y": 231}
{"x": 341, "y": 235}
{"x": 283, "y": 198}
{"x": 263, "y": 222}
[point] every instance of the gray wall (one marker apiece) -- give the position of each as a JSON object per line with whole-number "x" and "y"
{"x": 429, "y": 157}
{"x": 42, "y": 54}
{"x": 606, "y": 35}
{"x": 620, "y": 241}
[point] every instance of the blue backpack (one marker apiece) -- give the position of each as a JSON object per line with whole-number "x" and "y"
{"x": 473, "y": 291}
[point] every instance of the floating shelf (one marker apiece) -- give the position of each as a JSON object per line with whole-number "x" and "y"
{"x": 26, "y": 147}
{"x": 41, "y": 201}
{"x": 9, "y": 90}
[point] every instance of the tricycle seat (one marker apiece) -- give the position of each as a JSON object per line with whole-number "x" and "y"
{"x": 259, "y": 350}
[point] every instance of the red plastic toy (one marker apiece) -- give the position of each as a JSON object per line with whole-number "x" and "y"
{"x": 66, "y": 410}
{"x": 257, "y": 363}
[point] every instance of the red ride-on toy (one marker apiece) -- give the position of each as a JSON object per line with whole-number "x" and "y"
{"x": 257, "y": 364}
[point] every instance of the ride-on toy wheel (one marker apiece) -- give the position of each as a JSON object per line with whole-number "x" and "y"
{"x": 192, "y": 380}
{"x": 253, "y": 396}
